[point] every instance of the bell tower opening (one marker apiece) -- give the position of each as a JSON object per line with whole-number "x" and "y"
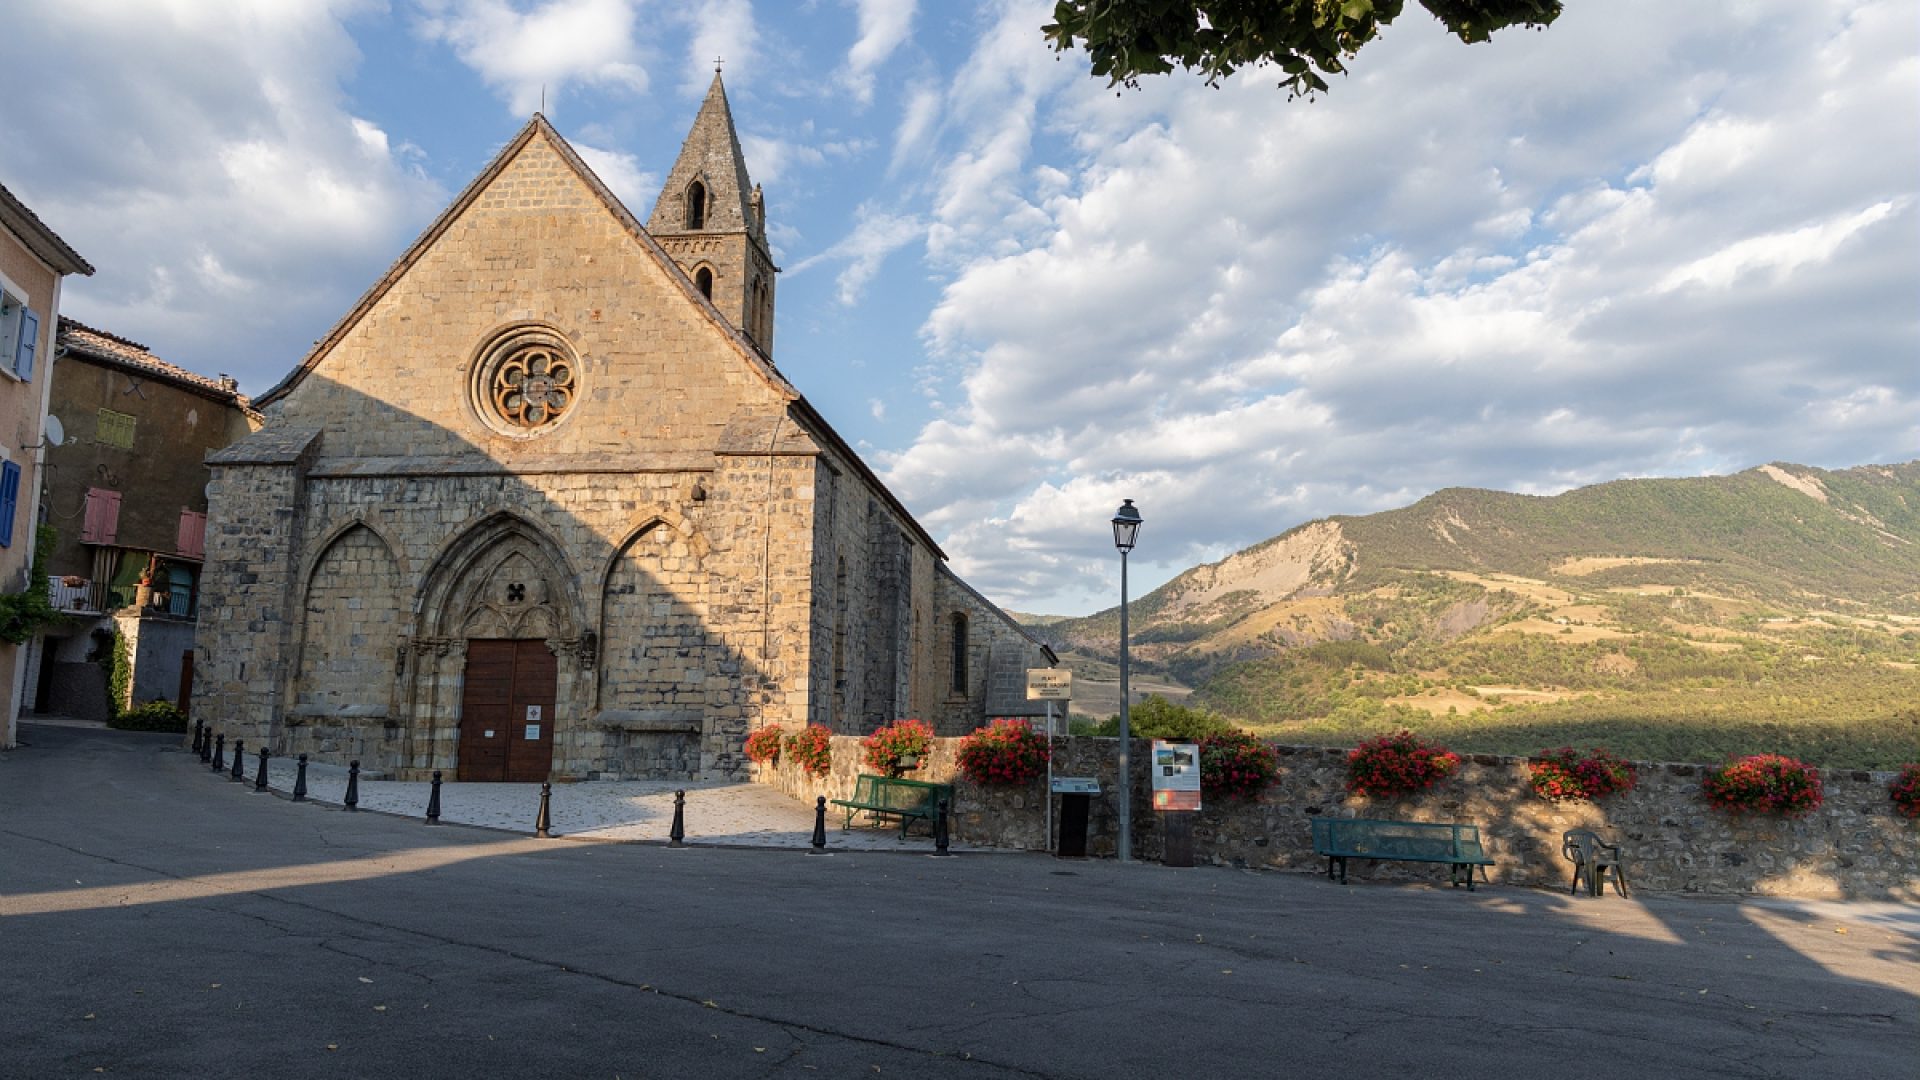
{"x": 696, "y": 205}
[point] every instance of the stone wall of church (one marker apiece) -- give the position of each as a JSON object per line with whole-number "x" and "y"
{"x": 883, "y": 620}
{"x": 256, "y": 528}
{"x": 698, "y": 609}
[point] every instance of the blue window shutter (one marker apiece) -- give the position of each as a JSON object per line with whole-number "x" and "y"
{"x": 9, "y": 500}
{"x": 23, "y": 353}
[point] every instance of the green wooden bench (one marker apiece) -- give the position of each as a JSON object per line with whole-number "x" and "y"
{"x": 908, "y": 800}
{"x": 1340, "y": 839}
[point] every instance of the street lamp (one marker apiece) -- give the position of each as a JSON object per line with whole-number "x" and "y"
{"x": 1126, "y": 527}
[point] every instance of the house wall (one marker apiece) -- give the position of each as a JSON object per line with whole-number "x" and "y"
{"x": 22, "y": 406}
{"x": 163, "y": 473}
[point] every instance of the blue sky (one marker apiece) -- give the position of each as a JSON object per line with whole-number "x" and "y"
{"x": 1656, "y": 239}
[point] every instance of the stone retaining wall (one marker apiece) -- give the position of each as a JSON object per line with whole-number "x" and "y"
{"x": 1853, "y": 847}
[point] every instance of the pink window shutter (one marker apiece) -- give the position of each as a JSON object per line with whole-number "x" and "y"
{"x": 102, "y": 521}
{"x": 193, "y": 535}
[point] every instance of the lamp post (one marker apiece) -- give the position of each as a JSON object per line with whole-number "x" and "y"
{"x": 1126, "y": 527}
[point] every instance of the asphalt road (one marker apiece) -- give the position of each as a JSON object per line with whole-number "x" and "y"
{"x": 157, "y": 921}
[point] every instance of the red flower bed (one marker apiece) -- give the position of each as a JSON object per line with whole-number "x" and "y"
{"x": 1398, "y": 764}
{"x": 903, "y": 738}
{"x": 1764, "y": 784}
{"x": 764, "y": 745}
{"x": 811, "y": 748}
{"x": 1005, "y": 753}
{"x": 1236, "y": 765}
{"x": 1565, "y": 775}
{"x": 1905, "y": 791}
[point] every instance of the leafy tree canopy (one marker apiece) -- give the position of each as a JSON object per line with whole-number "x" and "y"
{"x": 1306, "y": 38}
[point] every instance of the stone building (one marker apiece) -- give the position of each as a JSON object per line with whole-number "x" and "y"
{"x": 34, "y": 262}
{"x": 541, "y": 504}
{"x": 126, "y": 491}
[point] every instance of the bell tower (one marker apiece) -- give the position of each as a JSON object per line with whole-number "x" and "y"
{"x": 712, "y": 220}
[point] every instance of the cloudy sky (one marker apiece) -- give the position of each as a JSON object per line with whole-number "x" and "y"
{"x": 1656, "y": 239}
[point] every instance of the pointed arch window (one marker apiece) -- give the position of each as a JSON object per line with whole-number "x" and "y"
{"x": 696, "y": 205}
{"x": 703, "y": 280}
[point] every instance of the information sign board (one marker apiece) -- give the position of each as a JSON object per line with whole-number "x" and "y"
{"x": 1176, "y": 775}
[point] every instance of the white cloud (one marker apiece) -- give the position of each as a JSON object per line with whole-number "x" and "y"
{"x": 883, "y": 27}
{"x": 1457, "y": 268}
{"x": 621, "y": 172}
{"x": 527, "y": 56}
{"x": 723, "y": 30}
{"x": 202, "y": 161}
{"x": 874, "y": 237}
{"x": 1781, "y": 252}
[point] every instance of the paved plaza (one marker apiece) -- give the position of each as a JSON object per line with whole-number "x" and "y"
{"x": 157, "y": 921}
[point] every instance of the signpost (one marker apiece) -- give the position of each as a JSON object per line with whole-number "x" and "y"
{"x": 1049, "y": 685}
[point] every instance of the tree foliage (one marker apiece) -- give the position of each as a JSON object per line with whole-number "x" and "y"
{"x": 1307, "y": 39}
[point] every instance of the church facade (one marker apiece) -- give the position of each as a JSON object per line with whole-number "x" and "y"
{"x": 542, "y": 506}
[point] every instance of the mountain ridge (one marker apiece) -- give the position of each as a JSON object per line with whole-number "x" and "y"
{"x": 1635, "y": 599}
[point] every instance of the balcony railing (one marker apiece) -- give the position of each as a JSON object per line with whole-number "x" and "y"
{"x": 79, "y": 599}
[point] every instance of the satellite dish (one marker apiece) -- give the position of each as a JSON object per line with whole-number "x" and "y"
{"x": 56, "y": 431}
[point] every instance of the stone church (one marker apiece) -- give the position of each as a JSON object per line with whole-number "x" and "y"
{"x": 541, "y": 505}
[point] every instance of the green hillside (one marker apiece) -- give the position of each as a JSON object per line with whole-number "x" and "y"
{"x": 1685, "y": 619}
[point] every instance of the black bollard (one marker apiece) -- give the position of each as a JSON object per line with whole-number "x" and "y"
{"x": 239, "y": 766}
{"x": 543, "y": 824}
{"x": 940, "y": 831}
{"x": 677, "y": 833}
{"x": 198, "y": 734}
{"x": 260, "y": 778}
{"x": 819, "y": 826}
{"x": 352, "y": 799}
{"x": 206, "y": 747}
{"x": 220, "y": 752}
{"x": 433, "y": 801}
{"x": 300, "y": 781}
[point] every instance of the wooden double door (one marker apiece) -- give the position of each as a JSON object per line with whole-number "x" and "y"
{"x": 506, "y": 711}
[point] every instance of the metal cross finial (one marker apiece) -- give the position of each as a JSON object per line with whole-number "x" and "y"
{"x": 716, "y": 65}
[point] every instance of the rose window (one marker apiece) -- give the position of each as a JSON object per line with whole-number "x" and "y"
{"x": 533, "y": 387}
{"x": 525, "y": 381}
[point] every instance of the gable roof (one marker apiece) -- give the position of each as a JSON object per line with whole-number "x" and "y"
{"x": 45, "y": 244}
{"x": 538, "y": 126}
{"x": 78, "y": 339}
{"x": 750, "y": 352}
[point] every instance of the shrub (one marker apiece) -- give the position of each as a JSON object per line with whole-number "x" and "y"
{"x": 764, "y": 745}
{"x": 1236, "y": 765}
{"x": 901, "y": 739}
{"x": 1157, "y": 718}
{"x": 1563, "y": 775}
{"x": 1005, "y": 753}
{"x": 811, "y": 748}
{"x": 1398, "y": 764}
{"x": 1905, "y": 790}
{"x": 155, "y": 715}
{"x": 1764, "y": 784}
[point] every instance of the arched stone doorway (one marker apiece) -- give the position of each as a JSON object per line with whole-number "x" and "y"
{"x": 499, "y": 652}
